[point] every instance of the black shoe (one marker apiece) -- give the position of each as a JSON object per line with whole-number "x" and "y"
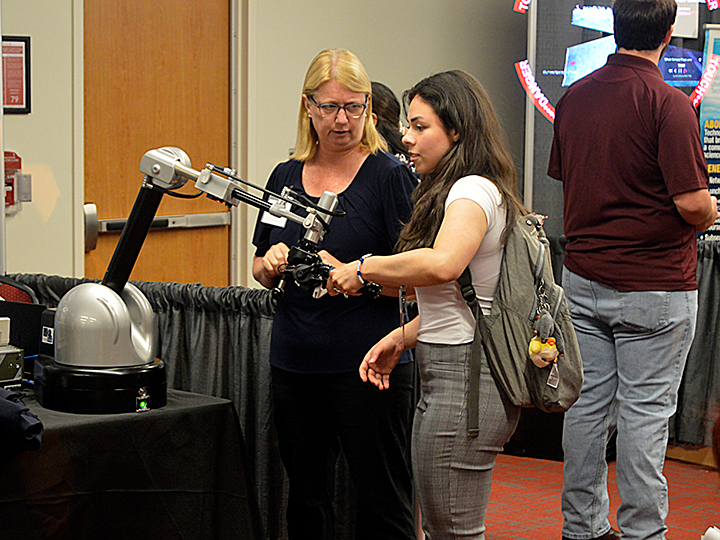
{"x": 612, "y": 534}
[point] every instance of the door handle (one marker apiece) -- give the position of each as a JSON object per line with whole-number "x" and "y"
{"x": 92, "y": 226}
{"x": 188, "y": 221}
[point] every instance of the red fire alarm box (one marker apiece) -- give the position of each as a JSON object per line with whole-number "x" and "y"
{"x": 13, "y": 166}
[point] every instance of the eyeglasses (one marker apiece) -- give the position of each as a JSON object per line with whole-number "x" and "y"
{"x": 352, "y": 110}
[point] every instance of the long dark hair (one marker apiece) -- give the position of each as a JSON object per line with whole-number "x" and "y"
{"x": 386, "y": 107}
{"x": 462, "y": 105}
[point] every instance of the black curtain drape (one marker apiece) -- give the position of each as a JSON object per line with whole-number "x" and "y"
{"x": 699, "y": 394}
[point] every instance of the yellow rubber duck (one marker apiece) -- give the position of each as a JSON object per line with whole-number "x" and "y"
{"x": 542, "y": 353}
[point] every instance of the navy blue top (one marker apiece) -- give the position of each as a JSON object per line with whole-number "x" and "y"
{"x": 332, "y": 334}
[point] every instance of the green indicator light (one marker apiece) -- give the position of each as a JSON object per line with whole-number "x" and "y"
{"x": 143, "y": 404}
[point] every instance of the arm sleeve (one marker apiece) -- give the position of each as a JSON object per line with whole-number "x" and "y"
{"x": 680, "y": 152}
{"x": 481, "y": 191}
{"x": 261, "y": 237}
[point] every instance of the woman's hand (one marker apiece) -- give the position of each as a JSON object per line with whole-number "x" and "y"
{"x": 344, "y": 279}
{"x": 335, "y": 263}
{"x": 380, "y": 361}
{"x": 266, "y": 269}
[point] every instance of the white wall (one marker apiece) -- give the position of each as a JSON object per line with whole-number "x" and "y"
{"x": 40, "y": 237}
{"x": 399, "y": 42}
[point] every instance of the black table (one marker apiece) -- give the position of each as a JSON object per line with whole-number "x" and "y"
{"x": 176, "y": 472}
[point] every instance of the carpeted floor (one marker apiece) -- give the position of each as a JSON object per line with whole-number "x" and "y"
{"x": 525, "y": 499}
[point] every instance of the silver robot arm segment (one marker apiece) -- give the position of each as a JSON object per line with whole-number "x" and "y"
{"x": 169, "y": 168}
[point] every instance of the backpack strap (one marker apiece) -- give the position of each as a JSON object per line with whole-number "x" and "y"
{"x": 473, "y": 399}
{"x": 466, "y": 287}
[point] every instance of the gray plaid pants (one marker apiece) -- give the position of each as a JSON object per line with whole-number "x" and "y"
{"x": 453, "y": 471}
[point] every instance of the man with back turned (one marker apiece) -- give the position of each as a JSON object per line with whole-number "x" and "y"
{"x": 627, "y": 148}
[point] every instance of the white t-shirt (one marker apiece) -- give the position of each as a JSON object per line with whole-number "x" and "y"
{"x": 444, "y": 315}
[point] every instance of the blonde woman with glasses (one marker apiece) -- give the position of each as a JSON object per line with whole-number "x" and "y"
{"x": 321, "y": 407}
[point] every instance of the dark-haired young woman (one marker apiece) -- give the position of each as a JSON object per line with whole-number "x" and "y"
{"x": 466, "y": 198}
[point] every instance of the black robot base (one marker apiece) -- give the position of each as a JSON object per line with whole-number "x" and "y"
{"x": 99, "y": 391}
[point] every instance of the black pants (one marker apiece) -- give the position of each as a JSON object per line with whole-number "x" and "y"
{"x": 316, "y": 417}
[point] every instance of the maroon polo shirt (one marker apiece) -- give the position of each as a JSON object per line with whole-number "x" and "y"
{"x": 625, "y": 143}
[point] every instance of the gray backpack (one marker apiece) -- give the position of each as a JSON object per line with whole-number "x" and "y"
{"x": 528, "y": 337}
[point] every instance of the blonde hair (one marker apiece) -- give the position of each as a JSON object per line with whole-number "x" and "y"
{"x": 344, "y": 67}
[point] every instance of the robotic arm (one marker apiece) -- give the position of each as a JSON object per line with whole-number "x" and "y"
{"x": 104, "y": 337}
{"x": 169, "y": 168}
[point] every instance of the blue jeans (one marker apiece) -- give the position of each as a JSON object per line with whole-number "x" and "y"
{"x": 634, "y": 346}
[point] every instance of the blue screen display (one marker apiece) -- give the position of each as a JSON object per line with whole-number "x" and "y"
{"x": 681, "y": 67}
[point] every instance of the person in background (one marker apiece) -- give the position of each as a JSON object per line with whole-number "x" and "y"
{"x": 627, "y": 149}
{"x": 466, "y": 198}
{"x": 317, "y": 344}
{"x": 386, "y": 113}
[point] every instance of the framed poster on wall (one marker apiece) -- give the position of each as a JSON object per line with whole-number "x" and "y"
{"x": 16, "y": 74}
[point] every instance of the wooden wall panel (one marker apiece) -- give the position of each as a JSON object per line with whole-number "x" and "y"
{"x": 157, "y": 74}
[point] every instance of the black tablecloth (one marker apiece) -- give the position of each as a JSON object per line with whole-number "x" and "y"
{"x": 175, "y": 472}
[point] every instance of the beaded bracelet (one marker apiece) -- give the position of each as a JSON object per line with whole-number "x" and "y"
{"x": 362, "y": 260}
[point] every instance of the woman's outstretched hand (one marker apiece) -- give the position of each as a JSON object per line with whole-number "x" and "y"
{"x": 380, "y": 361}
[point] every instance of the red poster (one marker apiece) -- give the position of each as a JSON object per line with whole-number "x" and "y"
{"x": 16, "y": 80}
